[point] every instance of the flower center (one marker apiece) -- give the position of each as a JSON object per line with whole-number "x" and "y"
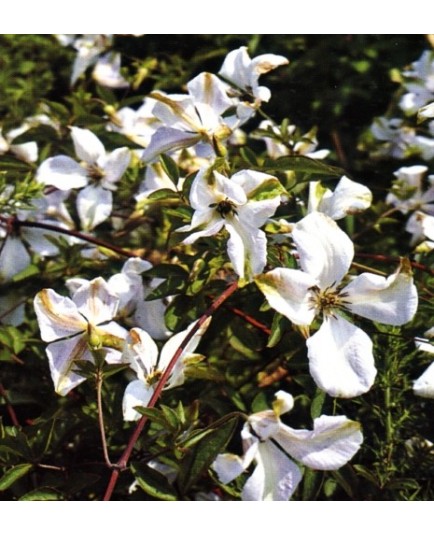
{"x": 328, "y": 300}
{"x": 224, "y": 208}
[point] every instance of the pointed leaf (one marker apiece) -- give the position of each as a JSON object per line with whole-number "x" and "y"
{"x": 14, "y": 474}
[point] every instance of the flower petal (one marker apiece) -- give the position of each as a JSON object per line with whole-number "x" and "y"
{"x": 94, "y": 205}
{"x": 349, "y": 197}
{"x": 326, "y": 252}
{"x": 390, "y": 301}
{"x": 95, "y": 301}
{"x": 340, "y": 358}
{"x": 136, "y": 394}
{"x": 166, "y": 139}
{"x": 424, "y": 385}
{"x": 61, "y": 358}
{"x": 287, "y": 291}
{"x": 114, "y": 165}
{"x": 62, "y": 172}
{"x": 88, "y": 147}
{"x": 57, "y": 315}
{"x": 275, "y": 477}
{"x": 13, "y": 258}
{"x": 330, "y": 445}
{"x": 141, "y": 353}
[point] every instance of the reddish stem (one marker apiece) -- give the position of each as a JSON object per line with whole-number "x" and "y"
{"x": 9, "y": 406}
{"x": 386, "y": 258}
{"x": 123, "y": 460}
{"x": 70, "y": 232}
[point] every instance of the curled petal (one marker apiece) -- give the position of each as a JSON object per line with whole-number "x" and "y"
{"x": 340, "y": 358}
{"x": 330, "y": 445}
{"x": 141, "y": 353}
{"x": 391, "y": 300}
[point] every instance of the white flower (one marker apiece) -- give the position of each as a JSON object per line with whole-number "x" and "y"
{"x": 407, "y": 191}
{"x": 141, "y": 353}
{"x": 94, "y": 202}
{"x": 243, "y": 72}
{"x": 194, "y": 119}
{"x": 340, "y": 354}
{"x": 306, "y": 146}
{"x": 241, "y": 204}
{"x": 419, "y": 81}
{"x": 107, "y": 71}
{"x": 71, "y": 325}
{"x": 349, "y": 197}
{"x": 271, "y": 444}
{"x": 28, "y": 152}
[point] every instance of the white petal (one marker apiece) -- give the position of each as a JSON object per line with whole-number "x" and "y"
{"x": 94, "y": 205}
{"x": 326, "y": 252}
{"x": 96, "y": 302}
{"x": 136, "y": 394}
{"x": 57, "y": 315}
{"x": 424, "y": 385}
{"x": 26, "y": 151}
{"x": 207, "y": 89}
{"x": 247, "y": 249}
{"x": 88, "y": 147}
{"x": 287, "y": 291}
{"x": 13, "y": 258}
{"x": 141, "y": 353}
{"x": 167, "y": 139}
{"x": 275, "y": 477}
{"x": 330, "y": 445}
{"x": 107, "y": 71}
{"x": 62, "y": 172}
{"x": 349, "y": 197}
{"x": 172, "y": 346}
{"x": 61, "y": 357}
{"x": 340, "y": 359}
{"x": 149, "y": 315}
{"x": 390, "y": 301}
{"x": 228, "y": 466}
{"x": 114, "y": 165}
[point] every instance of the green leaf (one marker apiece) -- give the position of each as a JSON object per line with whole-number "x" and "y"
{"x": 278, "y": 328}
{"x": 153, "y": 483}
{"x": 249, "y": 156}
{"x": 197, "y": 461}
{"x": 302, "y": 164}
{"x": 317, "y": 404}
{"x": 170, "y": 168}
{"x": 41, "y": 494}
{"x": 171, "y": 417}
{"x": 169, "y": 287}
{"x": 268, "y": 189}
{"x": 14, "y": 474}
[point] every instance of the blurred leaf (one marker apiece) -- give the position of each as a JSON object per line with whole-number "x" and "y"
{"x": 302, "y": 164}
{"x": 14, "y": 474}
{"x": 41, "y": 494}
{"x": 153, "y": 483}
{"x": 197, "y": 461}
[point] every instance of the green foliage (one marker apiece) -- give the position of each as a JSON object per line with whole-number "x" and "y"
{"x": 50, "y": 446}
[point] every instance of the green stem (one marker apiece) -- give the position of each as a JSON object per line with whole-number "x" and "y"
{"x": 99, "y": 381}
{"x": 123, "y": 460}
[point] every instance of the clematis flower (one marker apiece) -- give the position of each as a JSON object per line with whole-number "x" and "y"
{"x": 193, "y": 119}
{"x": 243, "y": 74}
{"x": 70, "y": 326}
{"x": 408, "y": 193}
{"x": 419, "y": 81}
{"x": 340, "y": 354}
{"x": 107, "y": 71}
{"x": 95, "y": 201}
{"x": 271, "y": 444}
{"x": 306, "y": 146}
{"x": 349, "y": 197}
{"x": 28, "y": 152}
{"x": 241, "y": 205}
{"x": 142, "y": 354}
